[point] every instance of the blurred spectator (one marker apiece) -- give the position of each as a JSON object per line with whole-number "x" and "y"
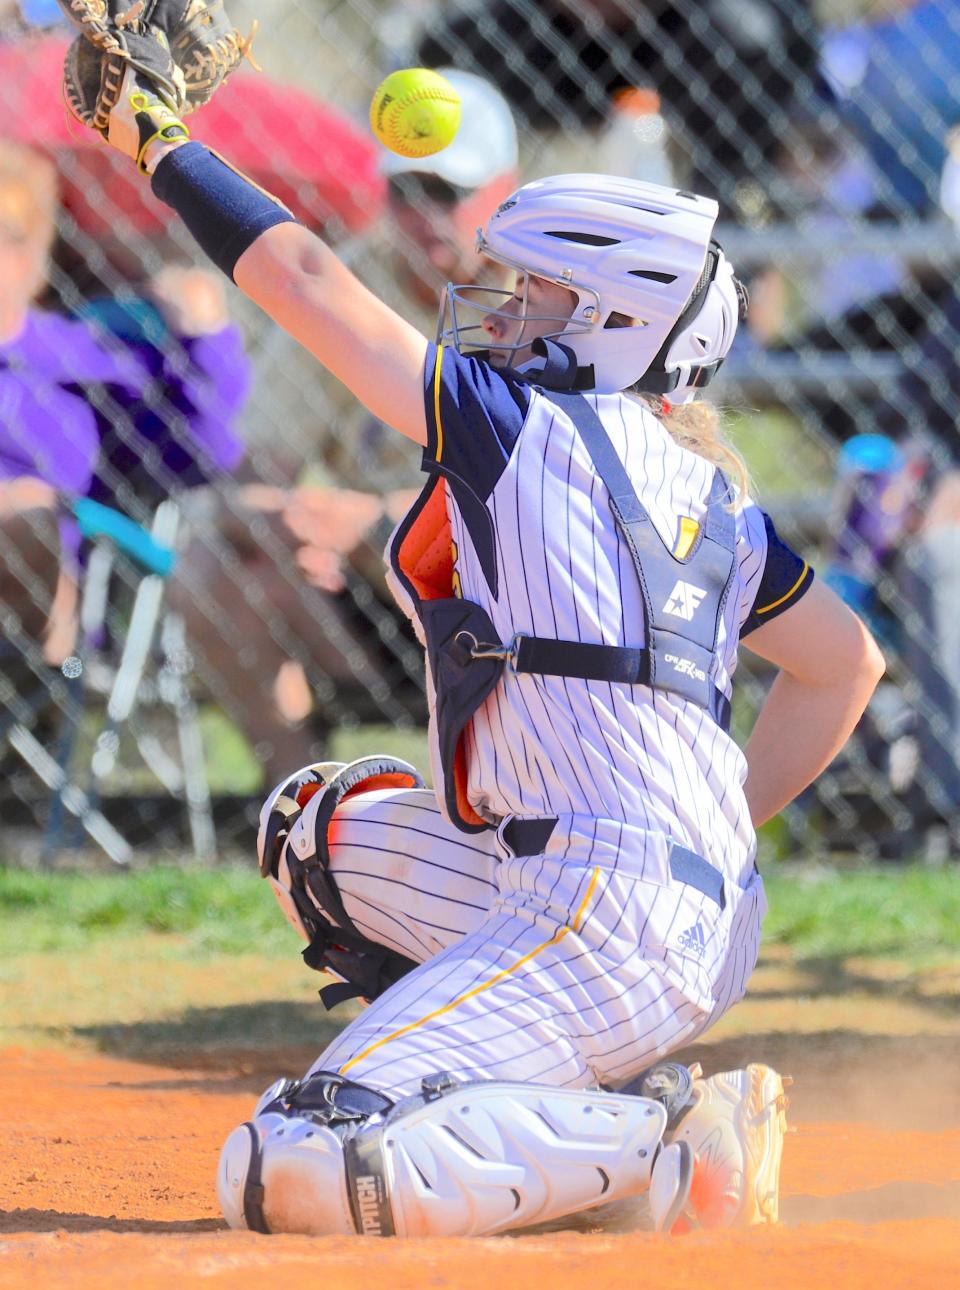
{"x": 896, "y": 75}
{"x": 895, "y": 530}
{"x": 897, "y": 555}
{"x": 910, "y": 560}
{"x": 926, "y": 408}
{"x": 306, "y": 598}
{"x": 873, "y": 511}
{"x": 927, "y": 580}
{"x": 851, "y": 300}
{"x": 895, "y": 558}
{"x": 436, "y": 204}
{"x": 67, "y": 389}
{"x": 896, "y": 79}
{"x": 182, "y": 430}
{"x": 825, "y": 185}
{"x": 731, "y": 74}
{"x": 47, "y": 436}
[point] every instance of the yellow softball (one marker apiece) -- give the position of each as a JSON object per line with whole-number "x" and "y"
{"x": 415, "y": 112}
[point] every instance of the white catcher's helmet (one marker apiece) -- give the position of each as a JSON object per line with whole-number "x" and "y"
{"x": 642, "y": 251}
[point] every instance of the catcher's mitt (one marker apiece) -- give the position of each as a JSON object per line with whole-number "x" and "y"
{"x": 185, "y": 49}
{"x": 203, "y": 42}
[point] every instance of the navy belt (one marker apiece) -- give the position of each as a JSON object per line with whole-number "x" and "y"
{"x": 530, "y": 837}
{"x": 686, "y": 866}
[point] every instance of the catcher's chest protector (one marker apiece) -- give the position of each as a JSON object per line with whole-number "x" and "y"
{"x": 684, "y": 589}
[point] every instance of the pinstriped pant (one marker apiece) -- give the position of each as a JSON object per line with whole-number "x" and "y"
{"x": 575, "y": 967}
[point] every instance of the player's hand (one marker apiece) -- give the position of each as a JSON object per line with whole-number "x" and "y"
{"x": 329, "y": 524}
{"x": 143, "y": 124}
{"x": 185, "y": 48}
{"x": 136, "y": 69}
{"x": 134, "y": 102}
{"x": 192, "y": 301}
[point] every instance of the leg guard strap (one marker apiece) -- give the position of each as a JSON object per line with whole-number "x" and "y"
{"x": 284, "y": 1170}
{"x": 668, "y": 1083}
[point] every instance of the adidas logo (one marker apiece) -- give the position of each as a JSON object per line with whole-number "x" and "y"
{"x": 683, "y": 600}
{"x": 693, "y": 940}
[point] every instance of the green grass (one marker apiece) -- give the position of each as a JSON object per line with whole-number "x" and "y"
{"x": 782, "y": 456}
{"x": 362, "y": 741}
{"x": 232, "y": 766}
{"x": 166, "y": 961}
{"x": 231, "y": 763}
{"x": 207, "y": 910}
{"x": 910, "y": 912}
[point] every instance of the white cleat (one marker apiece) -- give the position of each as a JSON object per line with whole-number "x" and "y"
{"x": 735, "y": 1127}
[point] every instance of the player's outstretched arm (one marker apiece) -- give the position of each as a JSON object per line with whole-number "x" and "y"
{"x": 302, "y": 285}
{"x": 829, "y": 667}
{"x": 293, "y": 276}
{"x": 252, "y": 237}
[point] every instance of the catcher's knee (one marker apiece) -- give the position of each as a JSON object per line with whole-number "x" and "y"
{"x": 330, "y": 1157}
{"x": 293, "y": 851}
{"x": 295, "y": 820}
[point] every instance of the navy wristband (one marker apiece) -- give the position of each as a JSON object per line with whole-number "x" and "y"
{"x": 225, "y": 211}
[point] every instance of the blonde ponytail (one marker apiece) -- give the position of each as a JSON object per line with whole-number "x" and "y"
{"x": 698, "y": 426}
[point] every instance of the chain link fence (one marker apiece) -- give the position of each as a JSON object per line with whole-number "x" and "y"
{"x": 147, "y": 708}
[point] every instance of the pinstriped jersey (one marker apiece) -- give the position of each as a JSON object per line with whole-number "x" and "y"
{"x": 535, "y": 543}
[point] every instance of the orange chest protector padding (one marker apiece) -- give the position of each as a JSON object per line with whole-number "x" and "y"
{"x": 422, "y": 556}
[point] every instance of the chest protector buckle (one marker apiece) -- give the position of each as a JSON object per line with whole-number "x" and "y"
{"x": 466, "y": 663}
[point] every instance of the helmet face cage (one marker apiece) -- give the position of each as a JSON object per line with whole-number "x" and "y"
{"x": 657, "y": 304}
{"x": 464, "y": 307}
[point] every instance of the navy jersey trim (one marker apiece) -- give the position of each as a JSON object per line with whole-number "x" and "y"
{"x": 786, "y": 577}
{"x": 474, "y": 417}
{"x": 401, "y": 532}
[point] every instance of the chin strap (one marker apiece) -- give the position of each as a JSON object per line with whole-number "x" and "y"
{"x": 561, "y": 373}
{"x": 666, "y": 382}
{"x": 560, "y": 370}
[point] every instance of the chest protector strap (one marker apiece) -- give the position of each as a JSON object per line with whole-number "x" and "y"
{"x": 683, "y": 597}
{"x": 683, "y": 600}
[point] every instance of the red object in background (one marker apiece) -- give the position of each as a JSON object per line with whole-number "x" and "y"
{"x": 311, "y": 156}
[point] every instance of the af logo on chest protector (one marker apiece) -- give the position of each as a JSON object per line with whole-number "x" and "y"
{"x": 683, "y": 600}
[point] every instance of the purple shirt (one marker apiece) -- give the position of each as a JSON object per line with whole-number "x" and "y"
{"x": 72, "y": 397}
{"x": 49, "y": 428}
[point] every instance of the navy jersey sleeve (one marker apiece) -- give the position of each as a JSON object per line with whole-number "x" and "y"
{"x": 474, "y": 416}
{"x": 786, "y": 577}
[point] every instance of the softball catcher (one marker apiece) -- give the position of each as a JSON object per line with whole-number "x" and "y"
{"x": 577, "y": 897}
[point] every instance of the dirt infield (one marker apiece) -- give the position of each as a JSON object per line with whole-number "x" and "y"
{"x": 107, "y": 1168}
